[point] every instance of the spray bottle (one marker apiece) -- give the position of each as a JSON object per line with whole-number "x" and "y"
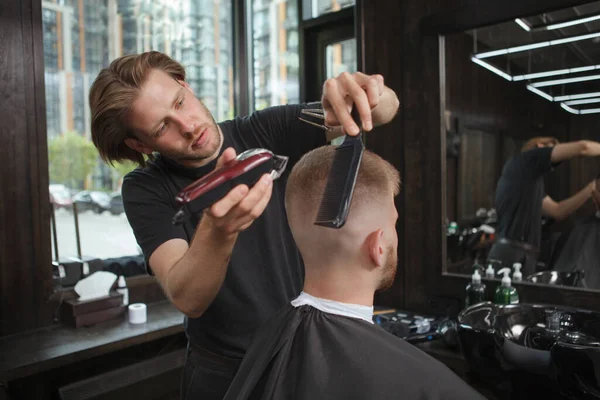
{"x": 122, "y": 288}
{"x": 489, "y": 272}
{"x": 475, "y": 290}
{"x": 506, "y": 293}
{"x": 517, "y": 275}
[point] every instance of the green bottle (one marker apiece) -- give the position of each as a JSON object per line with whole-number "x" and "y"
{"x": 475, "y": 290}
{"x": 505, "y": 293}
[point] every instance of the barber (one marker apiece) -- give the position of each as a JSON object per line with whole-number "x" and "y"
{"x": 521, "y": 200}
{"x": 234, "y": 266}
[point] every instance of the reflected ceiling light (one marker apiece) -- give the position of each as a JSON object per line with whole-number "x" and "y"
{"x": 538, "y": 45}
{"x": 576, "y": 96}
{"x": 567, "y": 80}
{"x": 540, "y": 93}
{"x": 580, "y": 112}
{"x": 584, "y": 101}
{"x": 492, "y": 68}
{"x": 559, "y": 25}
{"x": 523, "y": 24}
{"x": 555, "y": 72}
{"x": 569, "y": 109}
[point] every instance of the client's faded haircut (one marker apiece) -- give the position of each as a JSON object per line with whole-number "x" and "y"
{"x": 376, "y": 179}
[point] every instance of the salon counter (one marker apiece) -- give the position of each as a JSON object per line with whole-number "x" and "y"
{"x": 51, "y": 353}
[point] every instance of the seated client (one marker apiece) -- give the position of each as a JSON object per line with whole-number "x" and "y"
{"x": 324, "y": 344}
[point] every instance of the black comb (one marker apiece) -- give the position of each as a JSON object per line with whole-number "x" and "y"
{"x": 335, "y": 203}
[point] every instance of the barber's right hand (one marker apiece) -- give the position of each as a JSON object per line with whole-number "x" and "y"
{"x": 242, "y": 205}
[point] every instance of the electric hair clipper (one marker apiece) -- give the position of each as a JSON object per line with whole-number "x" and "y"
{"x": 246, "y": 168}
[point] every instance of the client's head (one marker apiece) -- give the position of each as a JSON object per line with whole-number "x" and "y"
{"x": 538, "y": 142}
{"x": 365, "y": 248}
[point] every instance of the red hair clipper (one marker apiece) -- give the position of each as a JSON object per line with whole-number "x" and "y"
{"x": 246, "y": 168}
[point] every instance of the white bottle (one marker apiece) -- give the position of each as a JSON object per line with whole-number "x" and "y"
{"x": 489, "y": 272}
{"x": 122, "y": 288}
{"x": 517, "y": 275}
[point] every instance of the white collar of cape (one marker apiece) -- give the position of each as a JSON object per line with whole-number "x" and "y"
{"x": 335, "y": 307}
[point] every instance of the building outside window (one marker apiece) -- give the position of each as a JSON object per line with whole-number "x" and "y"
{"x": 275, "y": 66}
{"x": 80, "y": 38}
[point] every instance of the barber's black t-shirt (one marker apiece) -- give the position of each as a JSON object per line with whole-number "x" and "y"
{"x": 265, "y": 271}
{"x": 519, "y": 196}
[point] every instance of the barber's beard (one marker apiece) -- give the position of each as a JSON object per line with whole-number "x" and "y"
{"x": 389, "y": 271}
{"x": 213, "y": 146}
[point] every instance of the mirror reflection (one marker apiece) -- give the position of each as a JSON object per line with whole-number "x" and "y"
{"x": 522, "y": 120}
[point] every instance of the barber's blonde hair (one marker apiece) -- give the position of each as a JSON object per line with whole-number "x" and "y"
{"x": 111, "y": 96}
{"x": 376, "y": 178}
{"x": 534, "y": 142}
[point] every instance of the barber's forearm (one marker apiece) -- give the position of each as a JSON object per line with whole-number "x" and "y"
{"x": 387, "y": 108}
{"x": 568, "y": 206}
{"x": 570, "y": 150}
{"x": 194, "y": 281}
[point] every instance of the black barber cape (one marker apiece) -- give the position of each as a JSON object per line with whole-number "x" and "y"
{"x": 579, "y": 250}
{"x": 304, "y": 353}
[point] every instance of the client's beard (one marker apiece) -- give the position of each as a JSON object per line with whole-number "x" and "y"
{"x": 389, "y": 272}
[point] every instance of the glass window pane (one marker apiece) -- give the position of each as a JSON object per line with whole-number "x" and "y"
{"x": 81, "y": 38}
{"x": 275, "y": 52}
{"x": 316, "y": 8}
{"x": 340, "y": 57}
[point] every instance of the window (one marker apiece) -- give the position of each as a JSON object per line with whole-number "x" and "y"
{"x": 81, "y": 38}
{"x": 316, "y": 8}
{"x": 275, "y": 59}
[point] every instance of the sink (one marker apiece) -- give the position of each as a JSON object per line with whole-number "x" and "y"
{"x": 532, "y": 350}
{"x": 563, "y": 278}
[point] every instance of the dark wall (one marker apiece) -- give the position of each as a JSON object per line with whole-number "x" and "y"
{"x": 25, "y": 273}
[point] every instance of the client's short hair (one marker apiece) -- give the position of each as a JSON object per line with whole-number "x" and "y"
{"x": 306, "y": 183}
{"x": 534, "y": 142}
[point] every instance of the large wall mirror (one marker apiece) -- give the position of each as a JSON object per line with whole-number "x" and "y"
{"x": 513, "y": 92}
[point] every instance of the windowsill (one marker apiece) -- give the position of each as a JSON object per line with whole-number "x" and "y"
{"x": 33, "y": 352}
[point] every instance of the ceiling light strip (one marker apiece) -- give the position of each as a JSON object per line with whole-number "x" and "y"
{"x": 565, "y": 81}
{"x": 490, "y": 67}
{"x": 546, "y": 74}
{"x": 569, "y": 109}
{"x": 538, "y": 45}
{"x": 529, "y": 28}
{"x": 540, "y": 93}
{"x": 583, "y": 101}
{"x": 523, "y": 24}
{"x": 580, "y": 112}
{"x": 590, "y": 111}
{"x": 573, "y": 22}
{"x": 575, "y": 96}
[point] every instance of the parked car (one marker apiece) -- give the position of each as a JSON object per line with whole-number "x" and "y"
{"x": 92, "y": 200}
{"x": 60, "y": 197}
{"x": 116, "y": 204}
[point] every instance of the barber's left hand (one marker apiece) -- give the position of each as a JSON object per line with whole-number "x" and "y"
{"x": 351, "y": 90}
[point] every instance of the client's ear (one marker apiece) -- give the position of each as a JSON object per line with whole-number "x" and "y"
{"x": 375, "y": 243}
{"x": 138, "y": 146}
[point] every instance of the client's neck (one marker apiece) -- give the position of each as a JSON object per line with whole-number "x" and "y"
{"x": 338, "y": 283}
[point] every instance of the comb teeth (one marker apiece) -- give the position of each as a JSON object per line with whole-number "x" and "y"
{"x": 335, "y": 203}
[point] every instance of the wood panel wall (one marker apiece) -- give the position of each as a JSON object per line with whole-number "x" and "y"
{"x": 25, "y": 270}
